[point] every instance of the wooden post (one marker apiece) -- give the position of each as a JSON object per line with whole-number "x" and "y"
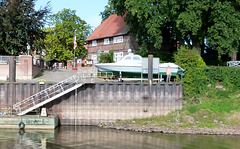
{"x": 150, "y": 79}
{"x": 150, "y": 69}
{"x": 12, "y": 69}
{"x": 12, "y": 80}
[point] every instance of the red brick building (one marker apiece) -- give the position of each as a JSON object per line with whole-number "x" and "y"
{"x": 113, "y": 35}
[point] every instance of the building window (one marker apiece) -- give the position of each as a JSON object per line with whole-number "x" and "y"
{"x": 99, "y": 52}
{"x": 94, "y": 43}
{"x": 106, "y": 41}
{"x": 117, "y": 56}
{"x": 118, "y": 39}
{"x": 94, "y": 58}
{"x": 34, "y": 61}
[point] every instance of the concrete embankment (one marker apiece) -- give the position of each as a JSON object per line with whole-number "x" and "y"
{"x": 29, "y": 122}
{"x": 94, "y": 103}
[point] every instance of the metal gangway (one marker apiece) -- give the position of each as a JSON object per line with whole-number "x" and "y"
{"x": 47, "y": 95}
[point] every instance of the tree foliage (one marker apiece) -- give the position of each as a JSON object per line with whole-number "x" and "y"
{"x": 201, "y": 23}
{"x": 59, "y": 41}
{"x": 188, "y": 58}
{"x": 107, "y": 11}
{"x": 200, "y": 80}
{"x": 20, "y": 24}
{"x": 224, "y": 34}
{"x": 106, "y": 57}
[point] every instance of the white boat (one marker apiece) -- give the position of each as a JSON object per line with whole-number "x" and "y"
{"x": 175, "y": 69}
{"x": 132, "y": 64}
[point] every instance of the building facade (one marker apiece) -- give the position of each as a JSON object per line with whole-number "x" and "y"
{"x": 26, "y": 67}
{"x": 113, "y": 35}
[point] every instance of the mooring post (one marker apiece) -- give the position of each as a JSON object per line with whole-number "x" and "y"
{"x": 150, "y": 77}
{"x": 12, "y": 79}
{"x": 150, "y": 69}
{"x": 12, "y": 69}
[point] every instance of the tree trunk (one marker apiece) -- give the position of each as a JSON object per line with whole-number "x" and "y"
{"x": 196, "y": 44}
{"x": 234, "y": 56}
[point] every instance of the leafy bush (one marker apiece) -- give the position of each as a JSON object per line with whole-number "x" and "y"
{"x": 188, "y": 58}
{"x": 106, "y": 57}
{"x": 194, "y": 81}
{"x": 200, "y": 79}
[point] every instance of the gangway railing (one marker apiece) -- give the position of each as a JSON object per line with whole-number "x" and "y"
{"x": 105, "y": 74}
{"x": 47, "y": 95}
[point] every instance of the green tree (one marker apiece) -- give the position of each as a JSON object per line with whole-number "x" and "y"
{"x": 107, "y": 11}
{"x": 152, "y": 21}
{"x": 213, "y": 21}
{"x": 197, "y": 23}
{"x": 20, "y": 24}
{"x": 59, "y": 41}
{"x": 224, "y": 33}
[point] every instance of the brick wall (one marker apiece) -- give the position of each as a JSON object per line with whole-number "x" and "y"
{"x": 24, "y": 69}
{"x": 129, "y": 42}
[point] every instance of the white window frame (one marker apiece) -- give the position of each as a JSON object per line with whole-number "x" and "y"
{"x": 117, "y": 56}
{"x": 94, "y": 58}
{"x": 118, "y": 39}
{"x": 34, "y": 61}
{"x": 106, "y": 41}
{"x": 94, "y": 43}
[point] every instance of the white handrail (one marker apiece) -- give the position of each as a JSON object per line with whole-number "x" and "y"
{"x": 233, "y": 63}
{"x": 46, "y": 94}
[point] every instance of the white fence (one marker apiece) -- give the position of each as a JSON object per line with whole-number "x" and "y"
{"x": 233, "y": 63}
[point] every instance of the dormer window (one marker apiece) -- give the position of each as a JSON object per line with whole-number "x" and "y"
{"x": 106, "y": 41}
{"x": 94, "y": 43}
{"x": 118, "y": 39}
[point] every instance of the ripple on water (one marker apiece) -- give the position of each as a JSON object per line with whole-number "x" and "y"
{"x": 89, "y": 137}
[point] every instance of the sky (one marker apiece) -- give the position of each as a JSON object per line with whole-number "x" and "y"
{"x": 87, "y": 10}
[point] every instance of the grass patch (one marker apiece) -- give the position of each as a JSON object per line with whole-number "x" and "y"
{"x": 105, "y": 127}
{"x": 210, "y": 112}
{"x": 215, "y": 106}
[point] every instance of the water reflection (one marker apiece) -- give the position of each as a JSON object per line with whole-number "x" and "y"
{"x": 20, "y": 139}
{"x": 96, "y": 138}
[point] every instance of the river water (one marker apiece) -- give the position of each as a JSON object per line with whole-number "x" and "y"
{"x": 89, "y": 137}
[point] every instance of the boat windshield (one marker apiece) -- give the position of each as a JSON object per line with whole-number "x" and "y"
{"x": 128, "y": 58}
{"x": 132, "y": 57}
{"x": 136, "y": 58}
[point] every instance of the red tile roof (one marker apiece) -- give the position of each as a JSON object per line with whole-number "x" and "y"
{"x": 112, "y": 26}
